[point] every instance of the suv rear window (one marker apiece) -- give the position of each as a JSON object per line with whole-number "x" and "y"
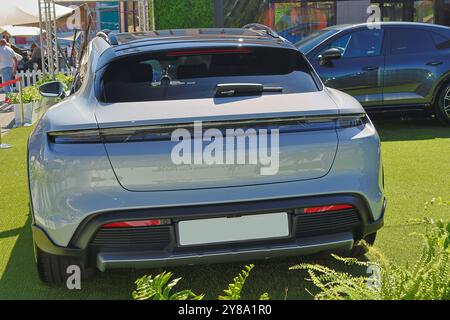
{"x": 195, "y": 73}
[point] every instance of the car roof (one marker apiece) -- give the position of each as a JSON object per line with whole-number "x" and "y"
{"x": 391, "y": 23}
{"x": 129, "y": 43}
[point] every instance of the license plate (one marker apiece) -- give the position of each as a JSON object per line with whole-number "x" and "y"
{"x": 222, "y": 230}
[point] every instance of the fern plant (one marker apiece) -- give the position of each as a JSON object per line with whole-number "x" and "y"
{"x": 159, "y": 288}
{"x": 234, "y": 290}
{"x": 265, "y": 296}
{"x": 427, "y": 279}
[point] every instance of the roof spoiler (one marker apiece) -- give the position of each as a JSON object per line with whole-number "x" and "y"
{"x": 260, "y": 27}
{"x": 109, "y": 36}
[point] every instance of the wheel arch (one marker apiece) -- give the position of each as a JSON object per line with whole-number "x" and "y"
{"x": 444, "y": 81}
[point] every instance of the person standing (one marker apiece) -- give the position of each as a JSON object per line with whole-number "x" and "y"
{"x": 36, "y": 55}
{"x": 8, "y": 64}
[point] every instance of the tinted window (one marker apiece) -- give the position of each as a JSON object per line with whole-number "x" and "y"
{"x": 438, "y": 39}
{"x": 314, "y": 40}
{"x": 195, "y": 73}
{"x": 441, "y": 42}
{"x": 408, "y": 41}
{"x": 360, "y": 44}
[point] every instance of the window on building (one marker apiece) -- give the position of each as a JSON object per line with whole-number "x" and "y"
{"x": 410, "y": 41}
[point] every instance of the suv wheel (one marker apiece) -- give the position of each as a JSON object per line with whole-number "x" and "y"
{"x": 53, "y": 269}
{"x": 442, "y": 107}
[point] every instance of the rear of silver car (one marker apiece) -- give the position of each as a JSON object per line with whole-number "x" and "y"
{"x": 106, "y": 191}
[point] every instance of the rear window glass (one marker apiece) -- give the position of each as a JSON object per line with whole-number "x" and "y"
{"x": 195, "y": 73}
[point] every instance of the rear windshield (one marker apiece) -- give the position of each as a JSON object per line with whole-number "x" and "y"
{"x": 195, "y": 73}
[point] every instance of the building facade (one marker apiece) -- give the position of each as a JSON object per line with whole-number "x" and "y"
{"x": 295, "y": 19}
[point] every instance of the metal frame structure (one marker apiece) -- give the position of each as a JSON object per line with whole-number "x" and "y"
{"x": 49, "y": 41}
{"x": 143, "y": 15}
{"x": 48, "y": 35}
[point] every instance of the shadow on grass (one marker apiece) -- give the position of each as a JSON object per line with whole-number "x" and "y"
{"x": 20, "y": 280}
{"x": 271, "y": 276}
{"x": 410, "y": 129}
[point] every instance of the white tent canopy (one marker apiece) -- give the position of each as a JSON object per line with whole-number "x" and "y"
{"x": 19, "y": 12}
{"x": 19, "y": 31}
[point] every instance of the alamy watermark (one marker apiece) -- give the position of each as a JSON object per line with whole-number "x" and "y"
{"x": 235, "y": 146}
{"x": 73, "y": 281}
{"x": 374, "y": 279}
{"x": 374, "y": 19}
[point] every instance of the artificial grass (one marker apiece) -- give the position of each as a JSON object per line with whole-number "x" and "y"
{"x": 416, "y": 158}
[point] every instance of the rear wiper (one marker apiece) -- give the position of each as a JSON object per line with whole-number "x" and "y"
{"x": 243, "y": 89}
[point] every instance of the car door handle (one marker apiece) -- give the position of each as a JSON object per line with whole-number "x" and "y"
{"x": 434, "y": 63}
{"x": 371, "y": 68}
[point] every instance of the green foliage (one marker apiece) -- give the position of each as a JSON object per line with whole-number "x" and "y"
{"x": 178, "y": 14}
{"x": 439, "y": 201}
{"x": 61, "y": 77}
{"x": 31, "y": 93}
{"x": 264, "y": 296}
{"x": 159, "y": 288}
{"x": 427, "y": 279}
{"x": 234, "y": 290}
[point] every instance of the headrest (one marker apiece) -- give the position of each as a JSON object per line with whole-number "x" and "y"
{"x": 141, "y": 72}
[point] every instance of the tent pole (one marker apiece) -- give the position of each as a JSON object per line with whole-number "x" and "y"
{"x": 41, "y": 35}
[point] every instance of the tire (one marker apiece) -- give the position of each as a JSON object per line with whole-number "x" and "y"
{"x": 359, "y": 249}
{"x": 442, "y": 106}
{"x": 52, "y": 269}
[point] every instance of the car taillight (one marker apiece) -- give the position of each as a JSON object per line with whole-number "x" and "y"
{"x": 330, "y": 208}
{"x": 75, "y": 137}
{"x": 350, "y": 121}
{"x": 138, "y": 223}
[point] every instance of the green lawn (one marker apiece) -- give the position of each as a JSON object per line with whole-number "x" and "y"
{"x": 416, "y": 156}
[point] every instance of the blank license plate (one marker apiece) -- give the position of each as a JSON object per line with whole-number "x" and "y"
{"x": 219, "y": 230}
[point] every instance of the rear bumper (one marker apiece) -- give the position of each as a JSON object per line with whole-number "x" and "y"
{"x": 302, "y": 247}
{"x": 81, "y": 247}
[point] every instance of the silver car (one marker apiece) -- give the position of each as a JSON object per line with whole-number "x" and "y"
{"x": 184, "y": 147}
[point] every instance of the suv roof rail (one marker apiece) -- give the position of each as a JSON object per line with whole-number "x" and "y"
{"x": 109, "y": 36}
{"x": 260, "y": 27}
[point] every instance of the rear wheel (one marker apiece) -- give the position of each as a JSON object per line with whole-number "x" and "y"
{"x": 442, "y": 107}
{"x": 53, "y": 269}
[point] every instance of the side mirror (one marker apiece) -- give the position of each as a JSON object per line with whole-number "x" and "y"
{"x": 54, "y": 89}
{"x": 330, "y": 54}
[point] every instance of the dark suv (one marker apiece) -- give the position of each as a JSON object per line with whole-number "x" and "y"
{"x": 395, "y": 67}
